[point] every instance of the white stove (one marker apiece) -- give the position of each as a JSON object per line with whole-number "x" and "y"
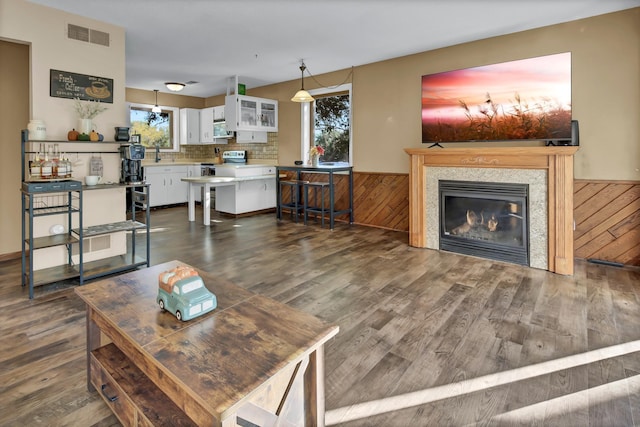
{"x": 235, "y": 156}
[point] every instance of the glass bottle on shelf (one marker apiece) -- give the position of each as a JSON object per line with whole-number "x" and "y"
{"x": 62, "y": 167}
{"x": 34, "y": 167}
{"x": 55, "y": 161}
{"x": 42, "y": 152}
{"x": 69, "y": 167}
{"x": 46, "y": 170}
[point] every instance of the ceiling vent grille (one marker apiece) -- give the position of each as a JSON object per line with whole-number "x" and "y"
{"x": 89, "y": 35}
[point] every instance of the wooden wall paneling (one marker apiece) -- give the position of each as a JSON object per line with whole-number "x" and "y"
{"x": 382, "y": 200}
{"x": 601, "y": 205}
{"x": 607, "y": 217}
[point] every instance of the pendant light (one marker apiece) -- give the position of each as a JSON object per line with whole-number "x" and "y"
{"x": 302, "y": 95}
{"x": 174, "y": 86}
{"x": 156, "y": 109}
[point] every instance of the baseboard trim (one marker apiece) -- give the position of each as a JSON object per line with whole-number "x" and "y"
{"x": 10, "y": 256}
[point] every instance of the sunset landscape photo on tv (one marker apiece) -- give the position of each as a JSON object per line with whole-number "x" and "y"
{"x": 528, "y": 99}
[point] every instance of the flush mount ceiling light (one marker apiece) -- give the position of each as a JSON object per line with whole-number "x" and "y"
{"x": 302, "y": 95}
{"x": 155, "y": 108}
{"x": 174, "y": 86}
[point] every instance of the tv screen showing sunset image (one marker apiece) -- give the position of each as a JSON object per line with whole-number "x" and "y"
{"x": 528, "y": 99}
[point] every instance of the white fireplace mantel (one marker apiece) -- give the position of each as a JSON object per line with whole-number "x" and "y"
{"x": 557, "y": 161}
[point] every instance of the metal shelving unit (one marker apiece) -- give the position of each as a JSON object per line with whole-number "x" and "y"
{"x": 45, "y": 203}
{"x": 64, "y": 197}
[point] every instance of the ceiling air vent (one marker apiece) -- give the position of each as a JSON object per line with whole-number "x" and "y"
{"x": 89, "y": 35}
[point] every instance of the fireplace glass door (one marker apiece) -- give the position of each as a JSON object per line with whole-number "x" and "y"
{"x": 485, "y": 219}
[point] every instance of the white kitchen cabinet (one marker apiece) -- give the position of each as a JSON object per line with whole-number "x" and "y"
{"x": 247, "y": 196}
{"x": 248, "y": 136}
{"x": 218, "y": 113}
{"x": 256, "y": 193}
{"x": 251, "y": 113}
{"x": 220, "y": 133}
{"x": 167, "y": 187}
{"x": 189, "y": 126}
{"x": 206, "y": 125}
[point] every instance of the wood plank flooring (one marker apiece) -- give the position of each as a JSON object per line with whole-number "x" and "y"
{"x": 440, "y": 338}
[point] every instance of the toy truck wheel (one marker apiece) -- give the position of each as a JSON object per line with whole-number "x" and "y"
{"x": 178, "y": 315}
{"x": 161, "y": 304}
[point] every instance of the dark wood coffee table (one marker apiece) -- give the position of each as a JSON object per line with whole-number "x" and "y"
{"x": 252, "y": 360}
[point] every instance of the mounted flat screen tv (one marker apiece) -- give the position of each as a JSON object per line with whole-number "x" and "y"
{"x": 524, "y": 100}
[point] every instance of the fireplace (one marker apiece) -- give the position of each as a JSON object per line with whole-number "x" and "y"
{"x": 485, "y": 219}
{"x": 550, "y": 240}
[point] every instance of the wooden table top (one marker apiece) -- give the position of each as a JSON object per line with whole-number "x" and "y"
{"x": 218, "y": 358}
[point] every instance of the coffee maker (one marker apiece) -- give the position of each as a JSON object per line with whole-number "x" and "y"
{"x": 131, "y": 163}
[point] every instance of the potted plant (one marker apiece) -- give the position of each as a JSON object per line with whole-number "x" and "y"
{"x": 314, "y": 154}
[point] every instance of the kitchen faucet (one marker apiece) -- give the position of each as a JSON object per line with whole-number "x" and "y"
{"x": 157, "y": 153}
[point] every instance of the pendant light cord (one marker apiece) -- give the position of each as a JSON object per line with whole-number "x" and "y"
{"x": 349, "y": 77}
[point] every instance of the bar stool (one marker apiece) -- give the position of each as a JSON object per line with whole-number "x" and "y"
{"x": 317, "y": 208}
{"x": 294, "y": 204}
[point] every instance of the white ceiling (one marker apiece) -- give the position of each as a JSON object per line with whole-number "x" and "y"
{"x": 263, "y": 41}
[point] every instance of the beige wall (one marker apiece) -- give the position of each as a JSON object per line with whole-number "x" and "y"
{"x": 44, "y": 30}
{"x": 386, "y": 95}
{"x": 139, "y": 96}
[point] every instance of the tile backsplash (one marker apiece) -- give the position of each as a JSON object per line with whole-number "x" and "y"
{"x": 268, "y": 151}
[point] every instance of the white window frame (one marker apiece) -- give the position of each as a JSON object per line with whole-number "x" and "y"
{"x": 175, "y": 128}
{"x": 305, "y": 119}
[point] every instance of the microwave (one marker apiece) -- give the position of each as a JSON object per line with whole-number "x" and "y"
{"x": 220, "y": 129}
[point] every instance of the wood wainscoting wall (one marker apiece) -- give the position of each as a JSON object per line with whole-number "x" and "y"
{"x": 379, "y": 199}
{"x": 607, "y": 215}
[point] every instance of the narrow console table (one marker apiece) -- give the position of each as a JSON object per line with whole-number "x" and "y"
{"x": 252, "y": 361}
{"x": 329, "y": 169}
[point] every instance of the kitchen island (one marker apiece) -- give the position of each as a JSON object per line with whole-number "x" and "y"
{"x": 239, "y": 190}
{"x": 252, "y": 361}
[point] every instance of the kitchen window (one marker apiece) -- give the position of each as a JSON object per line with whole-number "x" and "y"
{"x": 327, "y": 122}
{"x": 155, "y": 128}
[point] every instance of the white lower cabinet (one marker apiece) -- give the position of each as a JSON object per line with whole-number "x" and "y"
{"x": 166, "y": 185}
{"x": 247, "y": 196}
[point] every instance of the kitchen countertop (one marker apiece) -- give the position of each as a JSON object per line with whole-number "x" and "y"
{"x": 225, "y": 180}
{"x": 164, "y": 163}
{"x": 244, "y": 165}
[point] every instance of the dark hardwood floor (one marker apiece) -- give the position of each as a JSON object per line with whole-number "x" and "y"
{"x": 434, "y": 338}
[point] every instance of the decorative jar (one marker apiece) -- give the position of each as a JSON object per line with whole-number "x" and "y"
{"x": 37, "y": 130}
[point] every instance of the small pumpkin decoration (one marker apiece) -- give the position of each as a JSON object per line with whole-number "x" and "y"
{"x": 100, "y": 137}
{"x": 83, "y": 137}
{"x": 93, "y": 136}
{"x": 73, "y": 135}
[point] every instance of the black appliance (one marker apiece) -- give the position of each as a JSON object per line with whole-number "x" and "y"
{"x": 131, "y": 156}
{"x": 122, "y": 134}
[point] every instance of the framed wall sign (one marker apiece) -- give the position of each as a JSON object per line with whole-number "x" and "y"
{"x": 87, "y": 88}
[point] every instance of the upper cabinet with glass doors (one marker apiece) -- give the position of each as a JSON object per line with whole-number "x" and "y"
{"x": 251, "y": 113}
